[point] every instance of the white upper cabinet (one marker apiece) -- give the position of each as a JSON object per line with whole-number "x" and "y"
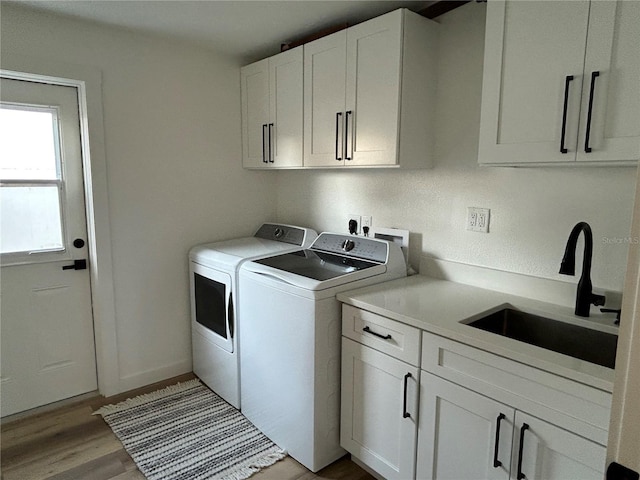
{"x": 612, "y": 71}
{"x": 368, "y": 94}
{"x": 272, "y": 111}
{"x": 255, "y": 112}
{"x": 324, "y": 100}
{"x": 561, "y": 83}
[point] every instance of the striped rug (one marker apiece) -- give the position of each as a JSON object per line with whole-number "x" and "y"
{"x": 187, "y": 432}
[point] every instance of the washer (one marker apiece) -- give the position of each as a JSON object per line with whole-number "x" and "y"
{"x": 215, "y": 315}
{"x": 290, "y": 330}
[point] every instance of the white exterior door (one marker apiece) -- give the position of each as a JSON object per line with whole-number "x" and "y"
{"x": 462, "y": 434}
{"x": 48, "y": 350}
{"x": 377, "y": 391}
{"x": 373, "y": 90}
{"x": 324, "y": 100}
{"x": 611, "y": 91}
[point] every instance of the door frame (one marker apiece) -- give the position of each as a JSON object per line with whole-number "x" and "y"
{"x": 624, "y": 429}
{"x": 88, "y": 83}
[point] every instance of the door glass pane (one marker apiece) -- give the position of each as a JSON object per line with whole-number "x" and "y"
{"x": 30, "y": 176}
{"x": 30, "y": 219}
{"x": 28, "y": 146}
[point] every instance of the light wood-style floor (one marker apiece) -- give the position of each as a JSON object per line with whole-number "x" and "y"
{"x": 69, "y": 443}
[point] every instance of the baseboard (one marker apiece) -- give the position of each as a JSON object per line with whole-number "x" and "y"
{"x": 141, "y": 379}
{"x": 366, "y": 468}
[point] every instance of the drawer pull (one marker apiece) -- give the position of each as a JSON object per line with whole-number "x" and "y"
{"x": 384, "y": 337}
{"x": 405, "y": 414}
{"x": 520, "y": 475}
{"x": 497, "y": 463}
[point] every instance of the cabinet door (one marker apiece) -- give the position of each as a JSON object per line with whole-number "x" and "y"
{"x": 285, "y": 94}
{"x": 461, "y": 433}
{"x": 324, "y": 97}
{"x": 254, "y": 88}
{"x": 552, "y": 453}
{"x": 612, "y": 95}
{"x": 377, "y": 390}
{"x": 531, "y": 49}
{"x": 374, "y": 51}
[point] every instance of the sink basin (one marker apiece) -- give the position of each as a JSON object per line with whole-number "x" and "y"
{"x": 579, "y": 342}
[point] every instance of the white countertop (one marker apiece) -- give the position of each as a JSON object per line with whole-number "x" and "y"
{"x": 439, "y": 306}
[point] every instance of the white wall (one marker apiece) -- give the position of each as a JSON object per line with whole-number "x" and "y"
{"x": 173, "y": 155}
{"x": 532, "y": 210}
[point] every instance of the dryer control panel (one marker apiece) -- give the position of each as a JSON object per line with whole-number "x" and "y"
{"x": 352, "y": 246}
{"x": 282, "y": 233}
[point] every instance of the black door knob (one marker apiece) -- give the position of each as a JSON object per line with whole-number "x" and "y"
{"x": 78, "y": 243}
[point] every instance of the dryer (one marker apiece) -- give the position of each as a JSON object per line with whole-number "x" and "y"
{"x": 214, "y": 292}
{"x": 290, "y": 330}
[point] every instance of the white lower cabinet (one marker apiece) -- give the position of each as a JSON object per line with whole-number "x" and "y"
{"x": 419, "y": 406}
{"x": 462, "y": 434}
{"x": 549, "y": 452}
{"x": 379, "y": 410}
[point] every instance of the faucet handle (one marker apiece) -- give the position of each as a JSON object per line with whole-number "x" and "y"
{"x": 617, "y": 311}
{"x": 597, "y": 300}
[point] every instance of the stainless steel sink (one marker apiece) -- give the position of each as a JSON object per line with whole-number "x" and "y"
{"x": 579, "y": 342}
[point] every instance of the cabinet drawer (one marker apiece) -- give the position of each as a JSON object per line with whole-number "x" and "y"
{"x": 385, "y": 335}
{"x": 570, "y": 404}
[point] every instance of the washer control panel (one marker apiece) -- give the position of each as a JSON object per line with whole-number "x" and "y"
{"x": 352, "y": 246}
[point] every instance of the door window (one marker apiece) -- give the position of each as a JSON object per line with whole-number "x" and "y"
{"x": 31, "y": 180}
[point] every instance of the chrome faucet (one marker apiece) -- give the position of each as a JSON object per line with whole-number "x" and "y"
{"x": 584, "y": 296}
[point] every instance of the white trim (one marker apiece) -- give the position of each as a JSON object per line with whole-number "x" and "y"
{"x": 147, "y": 377}
{"x": 147, "y": 397}
{"x": 88, "y": 82}
{"x": 624, "y": 430}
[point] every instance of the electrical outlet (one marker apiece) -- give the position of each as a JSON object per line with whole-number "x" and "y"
{"x": 355, "y": 218}
{"x": 478, "y": 219}
{"x": 366, "y": 225}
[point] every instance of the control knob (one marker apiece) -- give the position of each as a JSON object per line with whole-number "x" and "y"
{"x": 348, "y": 245}
{"x": 279, "y": 232}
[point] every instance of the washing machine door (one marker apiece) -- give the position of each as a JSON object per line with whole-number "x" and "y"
{"x": 212, "y": 305}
